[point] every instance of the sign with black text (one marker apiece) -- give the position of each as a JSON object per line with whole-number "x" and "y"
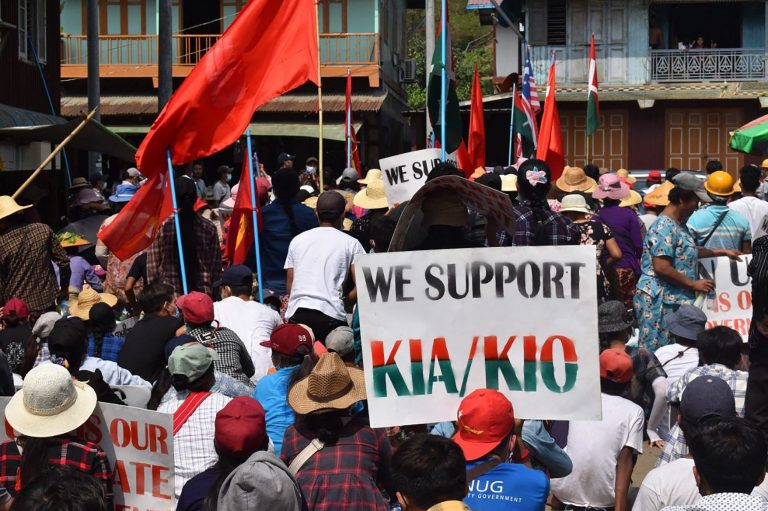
{"x": 730, "y": 304}
{"x": 436, "y": 325}
{"x": 405, "y": 173}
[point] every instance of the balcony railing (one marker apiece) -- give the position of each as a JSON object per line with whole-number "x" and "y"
{"x": 694, "y": 65}
{"x": 136, "y": 55}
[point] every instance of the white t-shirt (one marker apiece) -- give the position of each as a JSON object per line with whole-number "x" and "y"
{"x": 753, "y": 209}
{"x": 672, "y": 484}
{"x": 253, "y": 323}
{"x": 320, "y": 258}
{"x": 677, "y": 367}
{"x": 594, "y": 448}
{"x": 648, "y": 220}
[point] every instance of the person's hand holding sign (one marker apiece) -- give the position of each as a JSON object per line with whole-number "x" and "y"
{"x": 703, "y": 285}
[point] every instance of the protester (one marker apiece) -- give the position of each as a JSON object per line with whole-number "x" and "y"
{"x": 704, "y": 399}
{"x": 137, "y": 271}
{"x": 351, "y": 468}
{"x": 341, "y": 340}
{"x": 486, "y": 433}
{"x": 729, "y": 458}
{"x": 347, "y": 181}
{"x": 603, "y": 451}
{"x": 85, "y": 200}
{"x": 199, "y": 240}
{"x": 535, "y": 222}
{"x": 87, "y": 299}
{"x": 717, "y": 226}
{"x": 318, "y": 262}
{"x": 48, "y": 407}
{"x": 429, "y": 474}
{"x": 444, "y": 215}
{"x": 669, "y": 263}
{"x": 596, "y": 234}
{"x": 749, "y": 206}
{"x": 194, "y": 408}
{"x": 251, "y": 321}
{"x": 374, "y": 201}
{"x": 28, "y": 249}
{"x": 81, "y": 270}
{"x": 197, "y": 175}
{"x": 284, "y": 219}
{"x": 221, "y": 188}
{"x": 102, "y": 341}
{"x": 285, "y": 161}
{"x": 16, "y": 332}
{"x": 574, "y": 179}
{"x": 756, "y": 401}
{"x": 544, "y": 453}
{"x": 62, "y": 488}
{"x": 626, "y": 231}
{"x": 720, "y": 354}
{"x": 713, "y": 165}
{"x": 142, "y": 353}
{"x": 38, "y": 353}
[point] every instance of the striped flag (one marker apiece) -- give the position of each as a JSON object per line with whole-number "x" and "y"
{"x": 529, "y": 85}
{"x": 593, "y": 107}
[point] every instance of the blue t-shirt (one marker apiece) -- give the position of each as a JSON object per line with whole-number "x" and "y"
{"x": 272, "y": 393}
{"x": 196, "y": 489}
{"x": 110, "y": 346}
{"x": 275, "y": 237}
{"x": 508, "y": 487}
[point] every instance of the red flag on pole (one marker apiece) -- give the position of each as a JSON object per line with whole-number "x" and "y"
{"x": 214, "y": 105}
{"x": 550, "y": 143}
{"x": 476, "y": 146}
{"x": 354, "y": 154}
{"x": 240, "y": 234}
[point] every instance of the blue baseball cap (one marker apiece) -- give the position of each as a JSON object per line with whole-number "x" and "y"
{"x": 236, "y": 275}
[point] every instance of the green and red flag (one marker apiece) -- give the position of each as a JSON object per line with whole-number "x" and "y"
{"x": 524, "y": 131}
{"x": 443, "y": 57}
{"x": 593, "y": 107}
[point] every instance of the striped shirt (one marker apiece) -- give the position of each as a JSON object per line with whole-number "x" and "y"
{"x": 730, "y": 234}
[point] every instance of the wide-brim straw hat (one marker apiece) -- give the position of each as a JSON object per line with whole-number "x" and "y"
{"x": 330, "y": 386}
{"x": 633, "y": 200}
{"x": 9, "y": 207}
{"x": 575, "y": 203}
{"x": 625, "y": 175}
{"x": 660, "y": 196}
{"x": 372, "y": 197}
{"x": 574, "y": 179}
{"x": 370, "y": 176}
{"x": 50, "y": 403}
{"x": 311, "y": 202}
{"x": 87, "y": 299}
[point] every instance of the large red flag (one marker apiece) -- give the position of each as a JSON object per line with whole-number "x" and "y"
{"x": 476, "y": 146}
{"x": 240, "y": 234}
{"x": 354, "y": 155}
{"x": 269, "y": 49}
{"x": 550, "y": 148}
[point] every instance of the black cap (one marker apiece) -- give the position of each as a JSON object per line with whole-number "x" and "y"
{"x": 284, "y": 157}
{"x": 706, "y": 397}
{"x": 330, "y": 204}
{"x": 236, "y": 275}
{"x": 68, "y": 333}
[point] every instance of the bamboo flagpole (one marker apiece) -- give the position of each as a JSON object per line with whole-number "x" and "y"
{"x": 319, "y": 104}
{"x": 512, "y": 126}
{"x": 56, "y": 151}
{"x": 182, "y": 265}
{"x": 254, "y": 218}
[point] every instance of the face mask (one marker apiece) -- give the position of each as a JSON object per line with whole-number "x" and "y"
{"x": 229, "y": 178}
{"x": 311, "y": 169}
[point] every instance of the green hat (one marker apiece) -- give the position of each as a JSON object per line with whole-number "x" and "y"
{"x": 192, "y": 360}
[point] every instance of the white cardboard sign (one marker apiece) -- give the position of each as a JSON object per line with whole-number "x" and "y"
{"x": 437, "y": 325}
{"x": 731, "y": 303}
{"x": 405, "y": 173}
{"x": 139, "y": 445}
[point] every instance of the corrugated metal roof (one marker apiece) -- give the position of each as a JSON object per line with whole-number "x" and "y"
{"x": 12, "y": 117}
{"x": 147, "y": 105}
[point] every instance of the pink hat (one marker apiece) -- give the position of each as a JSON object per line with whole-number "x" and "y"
{"x": 610, "y": 186}
{"x": 262, "y": 189}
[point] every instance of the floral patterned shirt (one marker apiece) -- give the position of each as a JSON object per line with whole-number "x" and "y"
{"x": 668, "y": 239}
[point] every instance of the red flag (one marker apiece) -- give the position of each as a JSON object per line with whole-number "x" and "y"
{"x": 354, "y": 156}
{"x": 269, "y": 49}
{"x": 518, "y": 146}
{"x": 476, "y": 125}
{"x": 550, "y": 143}
{"x": 240, "y": 235}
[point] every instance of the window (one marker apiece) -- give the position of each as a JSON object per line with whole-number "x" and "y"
{"x": 556, "y": 22}
{"x": 547, "y": 23}
{"x": 31, "y": 30}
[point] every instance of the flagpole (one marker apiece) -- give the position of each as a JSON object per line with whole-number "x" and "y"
{"x": 254, "y": 218}
{"x": 512, "y": 125}
{"x": 319, "y": 105}
{"x": 182, "y": 266}
{"x": 443, "y": 74}
{"x": 348, "y": 122}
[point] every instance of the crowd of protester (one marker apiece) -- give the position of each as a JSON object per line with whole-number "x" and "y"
{"x": 269, "y": 399}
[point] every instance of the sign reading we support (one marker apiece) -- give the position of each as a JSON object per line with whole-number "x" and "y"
{"x": 405, "y": 173}
{"x": 436, "y": 325}
{"x": 731, "y": 303}
{"x": 139, "y": 445}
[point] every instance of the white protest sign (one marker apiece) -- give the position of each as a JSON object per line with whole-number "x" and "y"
{"x": 405, "y": 173}
{"x": 139, "y": 445}
{"x": 436, "y": 325}
{"x": 731, "y": 303}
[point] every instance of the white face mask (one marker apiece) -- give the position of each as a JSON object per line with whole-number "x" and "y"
{"x": 311, "y": 169}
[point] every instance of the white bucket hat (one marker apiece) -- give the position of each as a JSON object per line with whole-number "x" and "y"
{"x": 50, "y": 403}
{"x": 574, "y": 202}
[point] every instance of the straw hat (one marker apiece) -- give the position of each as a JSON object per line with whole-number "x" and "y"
{"x": 660, "y": 196}
{"x": 509, "y": 183}
{"x": 633, "y": 200}
{"x": 370, "y": 176}
{"x": 311, "y": 202}
{"x": 71, "y": 239}
{"x": 79, "y": 182}
{"x": 87, "y": 299}
{"x": 372, "y": 197}
{"x": 625, "y": 175}
{"x": 50, "y": 403}
{"x": 574, "y": 202}
{"x": 574, "y": 179}
{"x": 9, "y": 207}
{"x": 330, "y": 386}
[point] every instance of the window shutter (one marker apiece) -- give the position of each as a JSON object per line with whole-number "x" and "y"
{"x": 22, "y": 29}
{"x": 537, "y": 24}
{"x": 556, "y": 34}
{"x": 42, "y": 36}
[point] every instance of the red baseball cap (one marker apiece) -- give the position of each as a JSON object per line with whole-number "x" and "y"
{"x": 196, "y": 307}
{"x": 241, "y": 428}
{"x": 17, "y": 306}
{"x": 654, "y": 175}
{"x": 616, "y": 366}
{"x": 287, "y": 338}
{"x": 485, "y": 418}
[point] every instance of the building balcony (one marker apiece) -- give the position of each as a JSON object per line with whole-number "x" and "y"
{"x": 704, "y": 65}
{"x": 135, "y": 56}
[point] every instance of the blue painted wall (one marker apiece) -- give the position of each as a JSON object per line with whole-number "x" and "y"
{"x": 753, "y": 25}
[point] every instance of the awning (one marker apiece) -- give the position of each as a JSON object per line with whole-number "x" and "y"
{"x": 11, "y": 117}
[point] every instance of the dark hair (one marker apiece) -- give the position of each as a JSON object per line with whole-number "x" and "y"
{"x": 536, "y": 196}
{"x": 607, "y": 337}
{"x": 714, "y": 166}
{"x": 429, "y": 469}
{"x": 750, "y": 178}
{"x": 61, "y": 488}
{"x": 223, "y": 468}
{"x": 325, "y": 425}
{"x": 491, "y": 180}
{"x": 381, "y": 230}
{"x": 678, "y": 196}
{"x": 69, "y": 340}
{"x": 283, "y": 360}
{"x": 154, "y": 296}
{"x": 612, "y": 388}
{"x": 241, "y": 290}
{"x": 11, "y": 320}
{"x": 202, "y": 384}
{"x": 285, "y": 185}
{"x": 720, "y": 345}
{"x": 186, "y": 196}
{"x": 444, "y": 168}
{"x": 306, "y": 365}
{"x": 670, "y": 173}
{"x": 610, "y": 202}
{"x": 592, "y": 170}
{"x": 729, "y": 454}
{"x": 101, "y": 321}
{"x": 159, "y": 389}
